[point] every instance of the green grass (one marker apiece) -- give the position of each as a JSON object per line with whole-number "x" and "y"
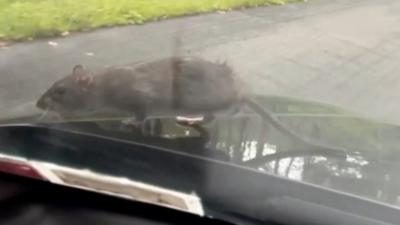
{"x": 28, "y": 19}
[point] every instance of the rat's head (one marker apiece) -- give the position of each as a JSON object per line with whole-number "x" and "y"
{"x": 68, "y": 94}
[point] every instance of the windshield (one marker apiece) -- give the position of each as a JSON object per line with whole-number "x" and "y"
{"x": 303, "y": 90}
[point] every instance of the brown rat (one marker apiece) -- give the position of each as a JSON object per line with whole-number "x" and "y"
{"x": 179, "y": 86}
{"x": 175, "y": 85}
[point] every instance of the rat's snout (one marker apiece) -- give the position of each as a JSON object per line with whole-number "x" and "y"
{"x": 43, "y": 103}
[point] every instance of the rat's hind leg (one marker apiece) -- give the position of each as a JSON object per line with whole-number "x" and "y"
{"x": 136, "y": 122}
{"x": 144, "y": 124}
{"x": 200, "y": 119}
{"x": 197, "y": 123}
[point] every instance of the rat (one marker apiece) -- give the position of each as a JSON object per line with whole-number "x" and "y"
{"x": 184, "y": 87}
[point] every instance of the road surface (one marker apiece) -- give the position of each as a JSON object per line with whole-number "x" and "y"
{"x": 344, "y": 52}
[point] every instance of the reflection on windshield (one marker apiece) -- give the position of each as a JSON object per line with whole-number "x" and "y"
{"x": 368, "y": 167}
{"x": 144, "y": 84}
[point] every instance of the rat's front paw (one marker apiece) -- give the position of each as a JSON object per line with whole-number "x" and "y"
{"x": 189, "y": 120}
{"x": 193, "y": 120}
{"x": 145, "y": 126}
{"x": 131, "y": 123}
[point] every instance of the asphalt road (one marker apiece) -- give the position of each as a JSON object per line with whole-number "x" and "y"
{"x": 344, "y": 52}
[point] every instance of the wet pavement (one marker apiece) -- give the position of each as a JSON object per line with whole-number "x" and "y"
{"x": 343, "y": 52}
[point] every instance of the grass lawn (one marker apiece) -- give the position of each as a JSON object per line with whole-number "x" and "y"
{"x": 28, "y": 19}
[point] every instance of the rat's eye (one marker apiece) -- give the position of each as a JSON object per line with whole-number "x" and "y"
{"x": 60, "y": 91}
{"x": 58, "y": 94}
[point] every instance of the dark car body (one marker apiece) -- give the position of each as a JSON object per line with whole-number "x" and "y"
{"x": 185, "y": 167}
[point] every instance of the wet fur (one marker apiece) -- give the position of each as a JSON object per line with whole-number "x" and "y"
{"x": 178, "y": 86}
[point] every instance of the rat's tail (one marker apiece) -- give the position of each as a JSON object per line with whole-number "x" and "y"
{"x": 270, "y": 118}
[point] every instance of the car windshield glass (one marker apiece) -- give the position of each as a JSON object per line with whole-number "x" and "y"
{"x": 306, "y": 90}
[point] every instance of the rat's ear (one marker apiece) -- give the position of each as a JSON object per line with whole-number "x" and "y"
{"x": 78, "y": 70}
{"x": 82, "y": 77}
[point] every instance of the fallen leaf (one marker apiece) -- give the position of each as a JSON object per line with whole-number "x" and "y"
{"x": 4, "y": 44}
{"x": 52, "y": 43}
{"x": 65, "y": 33}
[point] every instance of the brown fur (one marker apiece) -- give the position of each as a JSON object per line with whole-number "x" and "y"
{"x": 176, "y": 85}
